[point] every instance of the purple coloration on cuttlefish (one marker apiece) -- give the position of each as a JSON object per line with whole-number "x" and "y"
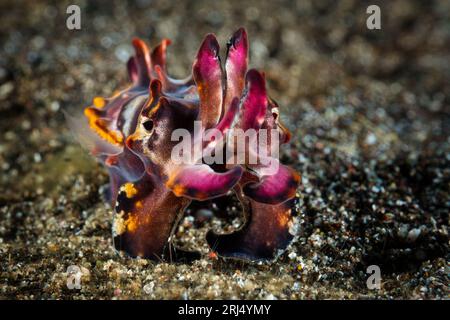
{"x": 130, "y": 133}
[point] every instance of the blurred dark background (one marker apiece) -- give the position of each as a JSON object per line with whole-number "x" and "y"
{"x": 369, "y": 111}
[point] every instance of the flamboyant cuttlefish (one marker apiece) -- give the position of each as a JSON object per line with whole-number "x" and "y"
{"x": 131, "y": 134}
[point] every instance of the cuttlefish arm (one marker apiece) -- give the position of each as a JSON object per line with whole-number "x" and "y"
{"x": 266, "y": 233}
{"x": 266, "y": 190}
{"x": 146, "y": 215}
{"x": 276, "y": 182}
{"x": 199, "y": 181}
{"x": 235, "y": 67}
{"x": 207, "y": 73}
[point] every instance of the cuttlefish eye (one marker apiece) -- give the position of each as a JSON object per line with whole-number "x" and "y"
{"x": 148, "y": 125}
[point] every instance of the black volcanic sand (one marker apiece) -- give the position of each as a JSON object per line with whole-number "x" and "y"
{"x": 369, "y": 112}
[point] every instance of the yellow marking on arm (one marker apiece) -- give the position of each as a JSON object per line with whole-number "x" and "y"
{"x": 131, "y": 223}
{"x": 283, "y": 219}
{"x": 130, "y": 190}
{"x": 99, "y": 127}
{"x": 179, "y": 190}
{"x": 99, "y": 102}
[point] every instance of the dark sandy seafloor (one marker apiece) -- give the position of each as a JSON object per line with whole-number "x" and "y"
{"x": 369, "y": 111}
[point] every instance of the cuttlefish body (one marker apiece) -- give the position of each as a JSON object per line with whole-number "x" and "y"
{"x": 131, "y": 134}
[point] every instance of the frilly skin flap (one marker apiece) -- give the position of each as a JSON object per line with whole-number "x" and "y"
{"x": 131, "y": 134}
